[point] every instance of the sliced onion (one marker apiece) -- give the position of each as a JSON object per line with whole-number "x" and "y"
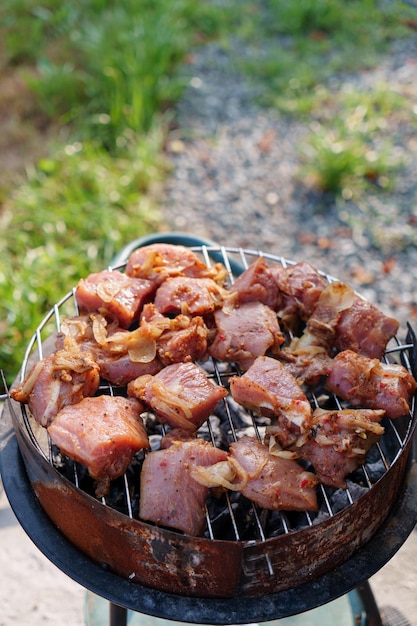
{"x": 221, "y": 474}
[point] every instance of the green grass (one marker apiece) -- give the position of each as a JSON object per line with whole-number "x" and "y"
{"x": 76, "y": 211}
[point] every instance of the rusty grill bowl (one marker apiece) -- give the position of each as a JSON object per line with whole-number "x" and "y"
{"x": 245, "y": 552}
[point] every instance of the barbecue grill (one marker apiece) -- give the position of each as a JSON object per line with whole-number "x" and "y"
{"x": 251, "y": 565}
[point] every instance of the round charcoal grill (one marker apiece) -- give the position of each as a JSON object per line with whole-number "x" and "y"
{"x": 250, "y": 565}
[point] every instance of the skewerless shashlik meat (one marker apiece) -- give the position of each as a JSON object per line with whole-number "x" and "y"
{"x": 340, "y": 441}
{"x": 244, "y": 332}
{"x": 364, "y": 329}
{"x": 274, "y": 482}
{"x": 114, "y": 294}
{"x": 169, "y": 495}
{"x": 192, "y": 296}
{"x": 307, "y": 366}
{"x": 157, "y": 261}
{"x": 300, "y": 286}
{"x": 371, "y": 383}
{"x": 180, "y": 394}
{"x": 256, "y": 284}
{"x": 60, "y": 379}
{"x": 268, "y": 389}
{"x": 320, "y": 331}
{"x": 183, "y": 338}
{"x": 103, "y": 433}
{"x": 120, "y": 354}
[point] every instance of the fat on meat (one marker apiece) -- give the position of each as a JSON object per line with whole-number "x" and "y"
{"x": 340, "y": 441}
{"x": 60, "y": 379}
{"x": 180, "y": 394}
{"x": 157, "y": 261}
{"x": 183, "y": 338}
{"x": 268, "y": 389}
{"x": 371, "y": 383}
{"x": 245, "y": 332}
{"x": 274, "y": 482}
{"x": 102, "y": 433}
{"x": 169, "y": 495}
{"x": 114, "y": 294}
{"x": 365, "y": 329}
{"x": 193, "y": 296}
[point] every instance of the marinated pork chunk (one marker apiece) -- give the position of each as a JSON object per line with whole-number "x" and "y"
{"x": 157, "y": 261}
{"x": 320, "y": 331}
{"x": 274, "y": 482}
{"x": 364, "y": 329}
{"x": 300, "y": 286}
{"x": 340, "y": 442}
{"x": 62, "y": 378}
{"x": 370, "y": 383}
{"x": 192, "y": 296}
{"x": 245, "y": 332}
{"x": 268, "y": 389}
{"x": 307, "y": 366}
{"x": 114, "y": 294}
{"x": 103, "y": 434}
{"x": 169, "y": 496}
{"x": 121, "y": 355}
{"x": 256, "y": 284}
{"x": 181, "y": 395}
{"x": 183, "y": 338}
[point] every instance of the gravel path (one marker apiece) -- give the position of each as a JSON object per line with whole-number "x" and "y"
{"x": 234, "y": 181}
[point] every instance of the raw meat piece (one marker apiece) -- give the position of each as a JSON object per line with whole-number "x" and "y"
{"x": 267, "y": 388}
{"x": 159, "y": 260}
{"x": 114, "y": 294}
{"x": 371, "y": 383}
{"x": 121, "y": 355}
{"x": 181, "y": 395}
{"x": 169, "y": 496}
{"x": 256, "y": 284}
{"x": 320, "y": 331}
{"x": 364, "y": 329}
{"x": 274, "y": 482}
{"x": 245, "y": 332}
{"x": 300, "y": 286}
{"x": 183, "y": 338}
{"x": 192, "y": 296}
{"x": 103, "y": 433}
{"x": 307, "y": 366}
{"x": 340, "y": 441}
{"x": 60, "y": 379}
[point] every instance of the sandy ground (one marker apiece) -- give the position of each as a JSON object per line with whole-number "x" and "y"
{"x": 33, "y": 592}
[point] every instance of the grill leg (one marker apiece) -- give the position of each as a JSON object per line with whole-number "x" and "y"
{"x": 118, "y": 615}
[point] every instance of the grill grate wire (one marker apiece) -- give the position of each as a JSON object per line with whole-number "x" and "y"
{"x": 264, "y": 523}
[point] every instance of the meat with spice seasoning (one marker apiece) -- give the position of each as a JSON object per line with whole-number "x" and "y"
{"x": 103, "y": 434}
{"x": 371, "y": 383}
{"x": 268, "y": 389}
{"x": 60, "y": 379}
{"x": 169, "y": 495}
{"x": 181, "y": 395}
